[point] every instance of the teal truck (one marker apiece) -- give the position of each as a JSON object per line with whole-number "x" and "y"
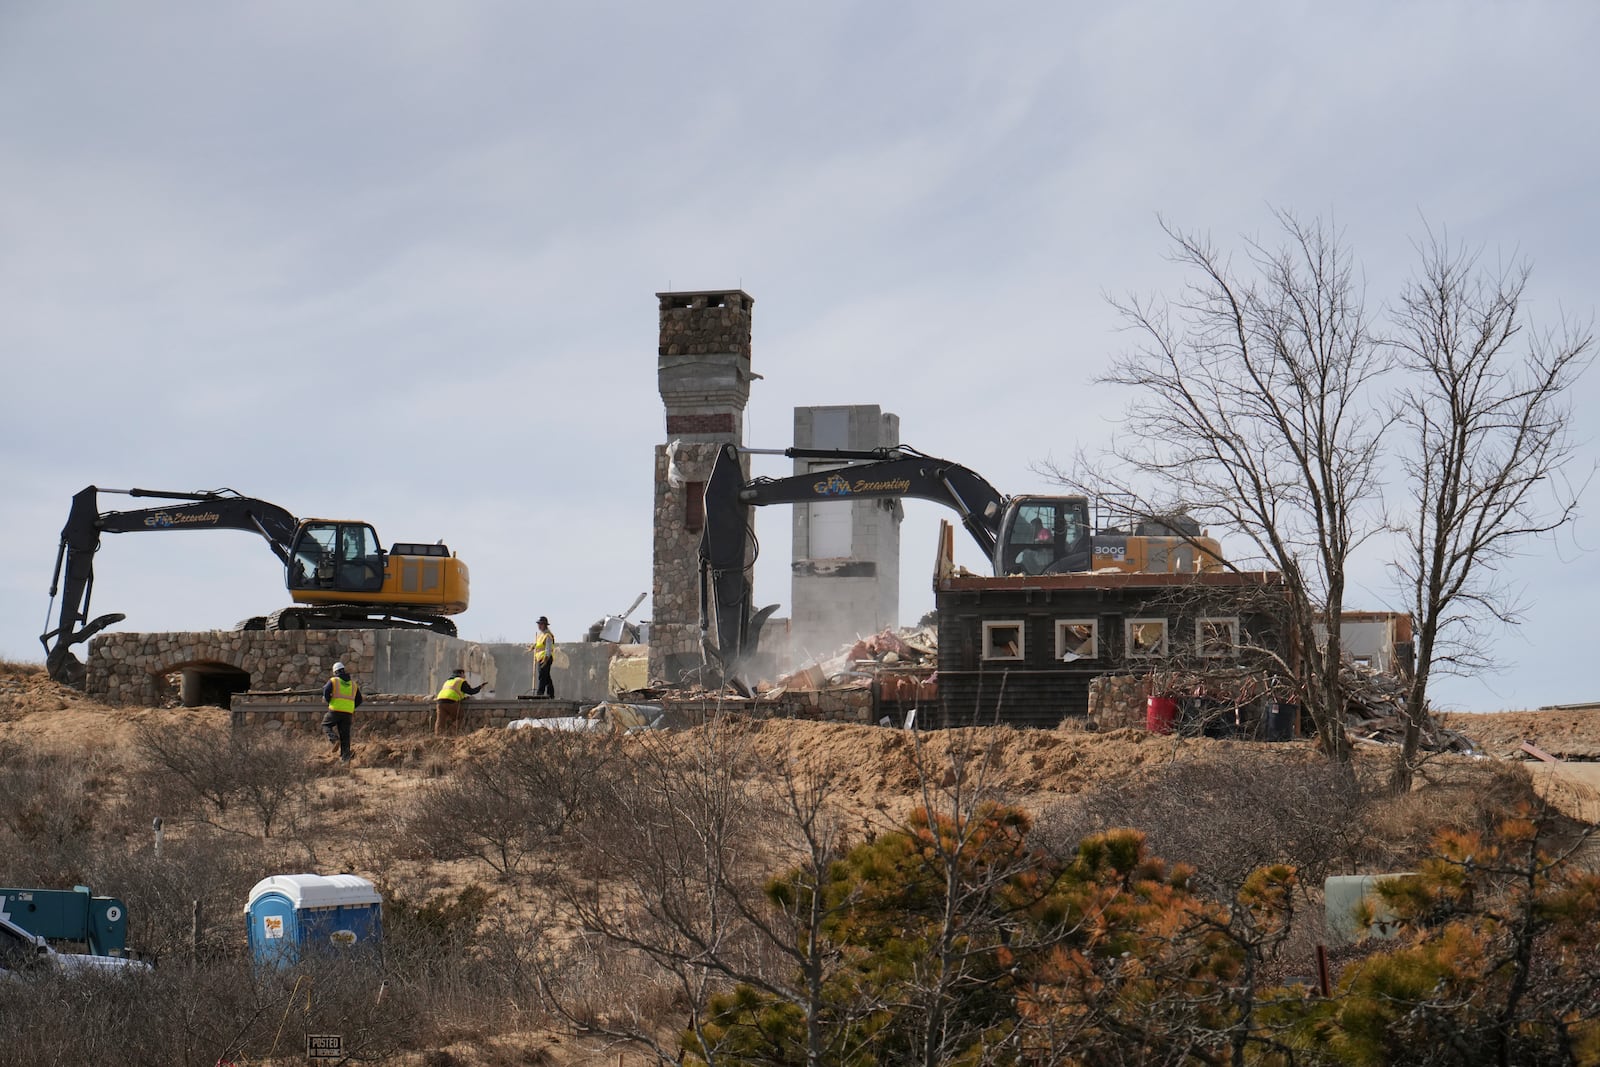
{"x": 31, "y": 919}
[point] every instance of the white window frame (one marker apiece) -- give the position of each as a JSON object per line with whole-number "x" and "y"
{"x": 992, "y": 652}
{"x": 1094, "y": 637}
{"x": 1232, "y": 623}
{"x": 1128, "y": 626}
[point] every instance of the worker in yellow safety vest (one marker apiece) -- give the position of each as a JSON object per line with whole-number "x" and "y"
{"x": 544, "y": 652}
{"x": 447, "y": 705}
{"x": 343, "y": 696}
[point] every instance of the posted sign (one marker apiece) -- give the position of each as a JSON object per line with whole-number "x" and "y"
{"x": 324, "y": 1046}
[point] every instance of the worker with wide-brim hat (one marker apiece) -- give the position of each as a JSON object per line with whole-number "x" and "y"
{"x": 544, "y": 654}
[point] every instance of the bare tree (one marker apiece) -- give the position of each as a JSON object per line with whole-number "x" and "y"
{"x": 680, "y": 856}
{"x": 1253, "y": 411}
{"x": 1488, "y": 416}
{"x": 504, "y": 807}
{"x": 232, "y": 773}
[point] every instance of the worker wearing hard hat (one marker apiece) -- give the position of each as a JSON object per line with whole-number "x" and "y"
{"x": 447, "y": 706}
{"x": 343, "y": 696}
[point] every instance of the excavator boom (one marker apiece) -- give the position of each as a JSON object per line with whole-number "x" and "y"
{"x": 900, "y": 471}
{"x": 888, "y": 472}
{"x": 221, "y": 509}
{"x": 1022, "y": 535}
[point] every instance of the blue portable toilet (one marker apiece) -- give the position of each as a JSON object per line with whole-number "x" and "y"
{"x": 290, "y": 915}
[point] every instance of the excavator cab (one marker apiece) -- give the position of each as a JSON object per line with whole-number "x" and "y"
{"x": 343, "y": 557}
{"x": 1044, "y": 535}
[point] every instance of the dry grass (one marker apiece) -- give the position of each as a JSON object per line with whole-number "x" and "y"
{"x": 478, "y": 993}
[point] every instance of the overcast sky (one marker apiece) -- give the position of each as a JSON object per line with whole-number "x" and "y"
{"x": 396, "y": 261}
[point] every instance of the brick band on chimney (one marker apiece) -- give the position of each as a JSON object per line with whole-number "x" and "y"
{"x": 718, "y": 423}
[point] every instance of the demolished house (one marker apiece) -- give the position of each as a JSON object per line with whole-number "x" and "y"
{"x": 1196, "y": 652}
{"x": 1063, "y": 639}
{"x": 1030, "y": 650}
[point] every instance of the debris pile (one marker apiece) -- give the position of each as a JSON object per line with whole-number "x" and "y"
{"x": 900, "y": 668}
{"x": 901, "y": 663}
{"x": 1571, "y": 735}
{"x": 1375, "y": 714}
{"x": 608, "y": 717}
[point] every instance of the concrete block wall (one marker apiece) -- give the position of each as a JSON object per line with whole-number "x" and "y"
{"x": 418, "y": 661}
{"x": 580, "y": 673}
{"x": 836, "y": 598}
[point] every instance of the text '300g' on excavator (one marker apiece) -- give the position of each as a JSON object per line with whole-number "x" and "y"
{"x": 337, "y": 572}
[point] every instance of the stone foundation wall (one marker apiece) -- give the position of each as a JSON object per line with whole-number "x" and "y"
{"x": 132, "y": 668}
{"x": 303, "y": 714}
{"x": 1118, "y": 700}
{"x": 146, "y": 668}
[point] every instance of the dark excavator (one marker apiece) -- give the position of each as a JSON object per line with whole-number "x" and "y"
{"x": 1020, "y": 535}
{"x": 337, "y": 572}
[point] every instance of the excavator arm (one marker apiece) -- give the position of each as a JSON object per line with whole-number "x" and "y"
{"x": 1028, "y": 536}
{"x": 221, "y": 509}
{"x": 889, "y": 472}
{"x": 725, "y": 586}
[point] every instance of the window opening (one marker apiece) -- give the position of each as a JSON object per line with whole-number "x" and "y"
{"x": 1217, "y": 637}
{"x": 1003, "y": 640}
{"x": 1147, "y": 637}
{"x": 1077, "y": 639}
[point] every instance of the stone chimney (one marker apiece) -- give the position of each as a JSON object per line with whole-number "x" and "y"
{"x": 703, "y": 374}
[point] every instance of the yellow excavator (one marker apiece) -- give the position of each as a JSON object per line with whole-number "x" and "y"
{"x": 336, "y": 570}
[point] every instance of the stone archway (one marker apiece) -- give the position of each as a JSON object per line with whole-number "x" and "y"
{"x": 210, "y": 684}
{"x": 206, "y": 667}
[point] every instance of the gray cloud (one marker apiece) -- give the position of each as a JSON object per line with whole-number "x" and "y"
{"x": 278, "y": 247}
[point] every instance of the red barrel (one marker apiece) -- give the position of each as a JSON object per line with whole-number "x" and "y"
{"x": 1159, "y": 714}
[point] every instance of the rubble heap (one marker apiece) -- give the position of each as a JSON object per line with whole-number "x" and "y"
{"x": 901, "y": 663}
{"x": 1375, "y": 714}
{"x": 900, "y": 667}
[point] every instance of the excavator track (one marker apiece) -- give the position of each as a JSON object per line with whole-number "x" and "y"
{"x": 352, "y": 617}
